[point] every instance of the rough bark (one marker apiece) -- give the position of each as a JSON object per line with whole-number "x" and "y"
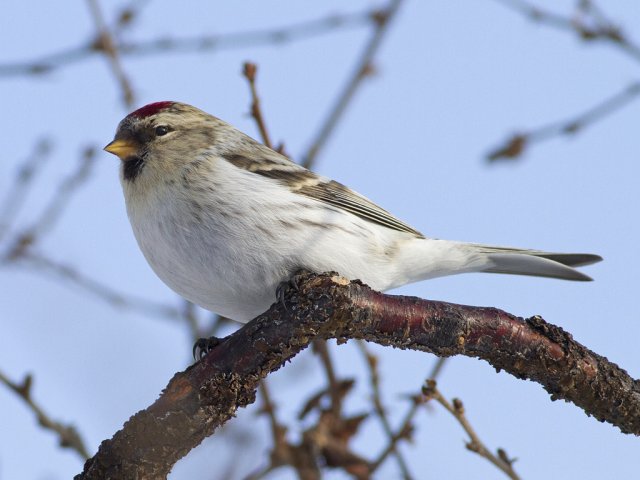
{"x": 207, "y": 394}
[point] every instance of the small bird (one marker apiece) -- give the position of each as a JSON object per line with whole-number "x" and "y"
{"x": 223, "y": 220}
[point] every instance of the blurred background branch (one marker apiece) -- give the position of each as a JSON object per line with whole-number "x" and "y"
{"x": 68, "y": 436}
{"x": 195, "y": 44}
{"x": 517, "y": 144}
{"x": 590, "y": 24}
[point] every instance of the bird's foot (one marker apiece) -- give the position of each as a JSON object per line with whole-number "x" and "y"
{"x": 292, "y": 282}
{"x": 203, "y": 346}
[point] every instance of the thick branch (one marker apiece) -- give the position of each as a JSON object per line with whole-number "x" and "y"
{"x": 207, "y": 394}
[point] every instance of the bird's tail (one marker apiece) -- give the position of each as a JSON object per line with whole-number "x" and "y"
{"x": 535, "y": 262}
{"x": 429, "y": 258}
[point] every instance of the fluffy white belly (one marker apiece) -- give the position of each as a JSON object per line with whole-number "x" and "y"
{"x": 228, "y": 252}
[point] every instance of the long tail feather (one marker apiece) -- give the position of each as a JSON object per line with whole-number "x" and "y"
{"x": 536, "y": 263}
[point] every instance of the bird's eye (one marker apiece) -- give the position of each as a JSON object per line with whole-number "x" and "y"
{"x": 162, "y": 130}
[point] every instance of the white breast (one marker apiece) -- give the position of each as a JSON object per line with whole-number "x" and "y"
{"x": 228, "y": 237}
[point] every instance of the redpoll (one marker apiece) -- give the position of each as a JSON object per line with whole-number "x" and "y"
{"x": 224, "y": 220}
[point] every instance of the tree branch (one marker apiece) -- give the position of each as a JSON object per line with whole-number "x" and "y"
{"x": 18, "y": 191}
{"x": 207, "y": 394}
{"x": 381, "y": 413}
{"x": 249, "y": 70}
{"x": 588, "y": 23}
{"x": 516, "y": 144}
{"x": 194, "y": 44}
{"x": 68, "y": 436}
{"x": 107, "y": 44}
{"x": 362, "y": 69}
{"x": 501, "y": 460}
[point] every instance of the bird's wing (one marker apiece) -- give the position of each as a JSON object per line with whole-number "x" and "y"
{"x": 304, "y": 182}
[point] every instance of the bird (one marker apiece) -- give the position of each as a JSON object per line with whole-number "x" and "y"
{"x": 224, "y": 220}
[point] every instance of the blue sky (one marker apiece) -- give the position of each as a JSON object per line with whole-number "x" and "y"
{"x": 453, "y": 79}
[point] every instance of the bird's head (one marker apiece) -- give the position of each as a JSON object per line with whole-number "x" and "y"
{"x": 158, "y": 140}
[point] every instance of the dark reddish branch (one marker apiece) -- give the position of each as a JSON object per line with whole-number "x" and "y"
{"x": 207, "y": 394}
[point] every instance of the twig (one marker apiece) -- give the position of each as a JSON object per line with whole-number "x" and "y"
{"x": 406, "y": 427}
{"x": 191, "y": 318}
{"x": 280, "y": 454}
{"x": 218, "y": 322}
{"x": 437, "y": 368}
{"x": 17, "y": 193}
{"x": 106, "y": 43}
{"x": 269, "y": 408}
{"x": 404, "y": 432}
{"x": 68, "y": 436}
{"x": 517, "y": 144}
{"x": 363, "y": 68}
{"x": 56, "y": 206}
{"x": 249, "y": 71}
{"x": 501, "y": 460}
{"x": 381, "y": 413}
{"x": 128, "y": 14}
{"x": 105, "y": 293}
{"x": 321, "y": 349}
{"x": 204, "y": 43}
{"x": 595, "y": 27}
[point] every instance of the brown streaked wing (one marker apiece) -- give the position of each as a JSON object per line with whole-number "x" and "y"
{"x": 336, "y": 194}
{"x": 305, "y": 182}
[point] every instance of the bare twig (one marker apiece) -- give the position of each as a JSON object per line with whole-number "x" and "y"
{"x": 517, "y": 144}
{"x": 68, "y": 436}
{"x": 128, "y": 14}
{"x": 17, "y": 193}
{"x": 106, "y": 43}
{"x": 362, "y": 69}
{"x": 191, "y": 318}
{"x": 33, "y": 260}
{"x": 336, "y": 394}
{"x": 280, "y": 453}
{"x": 198, "y": 44}
{"x": 67, "y": 188}
{"x": 437, "y": 368}
{"x": 404, "y": 432}
{"x": 55, "y": 208}
{"x": 500, "y": 460}
{"x": 249, "y": 71}
{"x": 218, "y": 322}
{"x": 381, "y": 413}
{"x": 589, "y": 24}
{"x": 406, "y": 427}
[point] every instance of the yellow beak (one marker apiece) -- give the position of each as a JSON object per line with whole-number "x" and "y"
{"x": 122, "y": 148}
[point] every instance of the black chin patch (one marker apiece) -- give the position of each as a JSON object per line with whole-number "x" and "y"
{"x": 132, "y": 168}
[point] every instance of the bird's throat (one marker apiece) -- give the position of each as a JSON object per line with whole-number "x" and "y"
{"x": 132, "y": 167}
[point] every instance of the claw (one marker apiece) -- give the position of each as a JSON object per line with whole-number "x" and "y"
{"x": 296, "y": 278}
{"x": 281, "y": 292}
{"x": 203, "y": 346}
{"x": 292, "y": 282}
